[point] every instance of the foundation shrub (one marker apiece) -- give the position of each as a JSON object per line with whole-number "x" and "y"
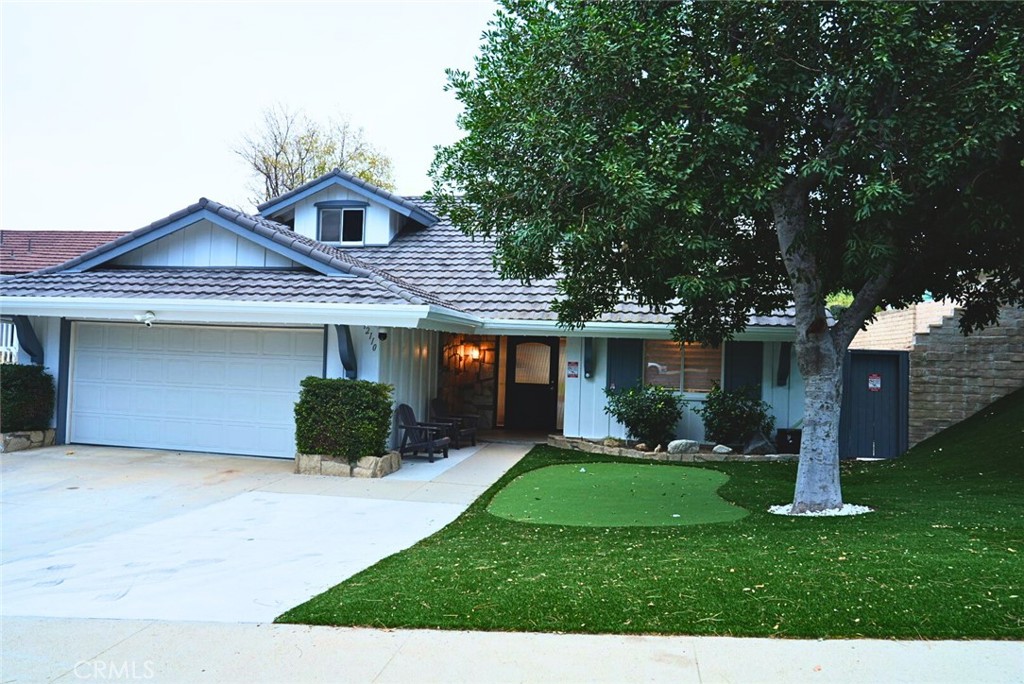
{"x": 342, "y": 418}
{"x": 26, "y": 398}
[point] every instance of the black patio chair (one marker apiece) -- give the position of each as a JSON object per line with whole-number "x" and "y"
{"x": 462, "y": 425}
{"x": 418, "y": 436}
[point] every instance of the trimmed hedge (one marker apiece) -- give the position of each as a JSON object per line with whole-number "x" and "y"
{"x": 342, "y": 418}
{"x": 26, "y": 398}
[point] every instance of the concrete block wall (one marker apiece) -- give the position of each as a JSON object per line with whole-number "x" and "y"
{"x": 894, "y": 330}
{"x": 952, "y": 377}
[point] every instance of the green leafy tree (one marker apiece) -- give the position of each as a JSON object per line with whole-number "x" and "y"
{"x": 290, "y": 149}
{"x": 726, "y": 158}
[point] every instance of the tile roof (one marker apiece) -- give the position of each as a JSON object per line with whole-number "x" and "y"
{"x": 459, "y": 269}
{"x": 331, "y": 257}
{"x": 432, "y": 265}
{"x": 23, "y": 251}
{"x": 257, "y": 285}
{"x": 416, "y": 209}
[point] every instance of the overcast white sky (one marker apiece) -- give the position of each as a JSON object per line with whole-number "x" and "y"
{"x": 116, "y": 114}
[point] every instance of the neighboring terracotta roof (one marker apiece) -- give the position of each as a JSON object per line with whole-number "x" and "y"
{"x": 24, "y": 251}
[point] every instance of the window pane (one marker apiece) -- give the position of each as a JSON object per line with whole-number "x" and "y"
{"x": 663, "y": 363}
{"x": 703, "y": 367}
{"x": 330, "y": 225}
{"x": 533, "y": 363}
{"x": 353, "y": 229}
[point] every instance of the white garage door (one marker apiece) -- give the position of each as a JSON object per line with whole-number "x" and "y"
{"x": 225, "y": 390}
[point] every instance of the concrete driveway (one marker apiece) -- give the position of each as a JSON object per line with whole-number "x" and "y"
{"x": 101, "y": 532}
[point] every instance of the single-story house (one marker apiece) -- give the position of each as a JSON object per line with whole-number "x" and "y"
{"x": 193, "y": 332}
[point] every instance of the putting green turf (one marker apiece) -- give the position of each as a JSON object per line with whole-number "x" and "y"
{"x": 616, "y": 495}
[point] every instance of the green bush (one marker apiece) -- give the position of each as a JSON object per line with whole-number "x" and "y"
{"x": 342, "y": 418}
{"x": 733, "y": 417}
{"x": 26, "y": 398}
{"x": 650, "y": 412}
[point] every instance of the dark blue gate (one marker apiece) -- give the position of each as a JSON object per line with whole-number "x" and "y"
{"x": 875, "y": 404}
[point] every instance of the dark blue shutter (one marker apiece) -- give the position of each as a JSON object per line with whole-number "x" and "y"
{"x": 743, "y": 366}
{"x": 625, "y": 363}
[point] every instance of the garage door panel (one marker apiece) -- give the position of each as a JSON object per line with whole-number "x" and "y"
{"x": 191, "y": 388}
{"x": 90, "y": 366}
{"x": 243, "y": 342}
{"x": 214, "y": 341}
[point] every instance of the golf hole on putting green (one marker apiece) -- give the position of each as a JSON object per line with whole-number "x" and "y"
{"x": 616, "y": 495}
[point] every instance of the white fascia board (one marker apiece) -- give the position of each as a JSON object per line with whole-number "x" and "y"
{"x": 646, "y": 331}
{"x": 447, "y": 320}
{"x": 219, "y": 311}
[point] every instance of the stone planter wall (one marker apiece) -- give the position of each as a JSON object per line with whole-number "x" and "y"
{"x": 578, "y": 444}
{"x": 17, "y": 441}
{"x": 367, "y": 466}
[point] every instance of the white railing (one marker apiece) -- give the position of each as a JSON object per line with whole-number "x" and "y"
{"x": 8, "y": 343}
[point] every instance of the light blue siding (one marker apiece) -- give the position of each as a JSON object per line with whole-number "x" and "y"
{"x": 204, "y": 245}
{"x": 787, "y": 401}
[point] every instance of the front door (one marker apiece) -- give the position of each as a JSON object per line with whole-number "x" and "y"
{"x": 531, "y": 394}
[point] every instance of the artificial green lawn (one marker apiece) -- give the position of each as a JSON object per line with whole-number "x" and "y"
{"x": 615, "y": 495}
{"x": 941, "y": 557}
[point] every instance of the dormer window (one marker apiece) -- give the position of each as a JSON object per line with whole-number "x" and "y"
{"x": 341, "y": 222}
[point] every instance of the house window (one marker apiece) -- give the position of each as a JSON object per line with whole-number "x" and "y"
{"x": 342, "y": 222}
{"x": 688, "y": 367}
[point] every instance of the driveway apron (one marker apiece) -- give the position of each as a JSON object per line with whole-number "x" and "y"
{"x": 100, "y": 532}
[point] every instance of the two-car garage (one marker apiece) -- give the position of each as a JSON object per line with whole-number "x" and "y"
{"x": 192, "y": 388}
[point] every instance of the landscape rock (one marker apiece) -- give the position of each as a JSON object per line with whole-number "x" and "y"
{"x": 759, "y": 444}
{"x": 683, "y": 446}
{"x": 722, "y": 449}
{"x": 642, "y": 446}
{"x": 611, "y": 442}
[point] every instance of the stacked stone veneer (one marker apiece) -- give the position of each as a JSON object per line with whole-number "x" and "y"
{"x": 470, "y": 386}
{"x": 32, "y": 439}
{"x": 367, "y": 466}
{"x": 953, "y": 377}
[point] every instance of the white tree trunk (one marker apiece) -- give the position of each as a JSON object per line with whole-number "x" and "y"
{"x": 817, "y": 477}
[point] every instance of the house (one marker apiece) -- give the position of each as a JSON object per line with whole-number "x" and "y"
{"x": 24, "y": 251}
{"x": 193, "y": 332}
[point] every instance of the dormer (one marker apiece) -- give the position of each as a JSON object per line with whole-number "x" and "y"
{"x": 342, "y": 210}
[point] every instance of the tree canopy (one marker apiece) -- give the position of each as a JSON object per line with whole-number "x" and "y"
{"x": 718, "y": 159}
{"x": 289, "y": 149}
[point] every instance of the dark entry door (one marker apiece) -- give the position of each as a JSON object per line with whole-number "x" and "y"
{"x": 873, "y": 422}
{"x": 531, "y": 383}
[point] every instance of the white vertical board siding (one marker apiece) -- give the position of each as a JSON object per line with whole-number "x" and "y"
{"x": 368, "y": 353}
{"x": 203, "y": 245}
{"x": 787, "y": 401}
{"x": 584, "y": 397}
{"x": 377, "y": 226}
{"x": 408, "y": 362}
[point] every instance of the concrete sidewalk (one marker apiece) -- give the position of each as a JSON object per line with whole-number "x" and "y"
{"x": 63, "y": 650}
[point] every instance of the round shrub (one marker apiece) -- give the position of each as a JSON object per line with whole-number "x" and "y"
{"x": 649, "y": 412}
{"x": 733, "y": 416}
{"x": 26, "y": 398}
